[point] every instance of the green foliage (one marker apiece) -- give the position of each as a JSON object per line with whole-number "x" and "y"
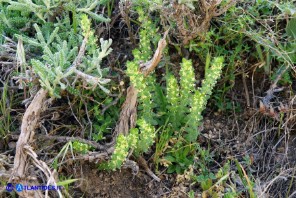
{"x": 181, "y": 106}
{"x": 65, "y": 182}
{"x": 180, "y": 157}
{"x": 123, "y": 145}
{"x": 270, "y": 45}
{"x": 10, "y": 22}
{"x": 143, "y": 139}
{"x": 80, "y": 147}
{"x": 5, "y": 111}
{"x": 57, "y": 37}
{"x": 58, "y": 56}
{"x": 18, "y": 16}
{"x": 142, "y": 84}
{"x": 101, "y": 123}
{"x": 184, "y": 112}
{"x": 218, "y": 184}
{"x": 45, "y": 10}
{"x": 278, "y": 45}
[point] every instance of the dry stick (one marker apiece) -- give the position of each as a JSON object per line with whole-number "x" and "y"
{"x": 114, "y": 102}
{"x": 94, "y": 144}
{"x": 124, "y": 11}
{"x": 29, "y": 123}
{"x": 224, "y": 9}
{"x": 142, "y": 162}
{"x": 149, "y": 66}
{"x": 245, "y": 87}
{"x": 44, "y": 168}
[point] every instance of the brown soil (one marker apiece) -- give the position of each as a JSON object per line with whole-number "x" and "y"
{"x": 119, "y": 184}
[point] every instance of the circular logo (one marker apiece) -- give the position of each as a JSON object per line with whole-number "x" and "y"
{"x": 19, "y": 187}
{"x": 9, "y": 187}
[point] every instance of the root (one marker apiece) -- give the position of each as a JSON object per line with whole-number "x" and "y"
{"x": 142, "y": 162}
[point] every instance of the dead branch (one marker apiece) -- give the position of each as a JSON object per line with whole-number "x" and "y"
{"x": 132, "y": 165}
{"x": 125, "y": 7}
{"x": 50, "y": 175}
{"x": 142, "y": 162}
{"x": 29, "y": 124}
{"x": 192, "y": 23}
{"x": 149, "y": 66}
{"x": 128, "y": 114}
{"x": 94, "y": 144}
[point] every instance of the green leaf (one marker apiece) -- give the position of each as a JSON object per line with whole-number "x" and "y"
{"x": 52, "y": 35}
{"x": 66, "y": 182}
{"x": 99, "y": 18}
{"x": 171, "y": 169}
{"x": 291, "y": 28}
{"x": 170, "y": 158}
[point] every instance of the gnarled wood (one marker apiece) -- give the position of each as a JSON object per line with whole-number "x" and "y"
{"x": 29, "y": 124}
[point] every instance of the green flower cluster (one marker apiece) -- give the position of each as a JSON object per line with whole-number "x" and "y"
{"x": 211, "y": 77}
{"x": 184, "y": 115}
{"x": 187, "y": 80}
{"x": 142, "y": 84}
{"x": 201, "y": 97}
{"x": 120, "y": 152}
{"x": 81, "y": 147}
{"x": 123, "y": 145}
{"x": 146, "y": 137}
{"x": 173, "y": 94}
{"x": 180, "y": 98}
{"x": 186, "y": 103}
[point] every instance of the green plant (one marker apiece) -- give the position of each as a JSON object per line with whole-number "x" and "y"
{"x": 217, "y": 184}
{"x": 5, "y": 108}
{"x": 16, "y": 16}
{"x": 138, "y": 140}
{"x": 58, "y": 56}
{"x": 63, "y": 152}
{"x": 10, "y": 22}
{"x": 278, "y": 45}
{"x": 58, "y": 35}
{"x": 101, "y": 123}
{"x": 245, "y": 179}
{"x": 65, "y": 181}
{"x": 48, "y": 9}
{"x": 185, "y": 105}
{"x": 187, "y": 102}
{"x": 80, "y": 147}
{"x": 123, "y": 145}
